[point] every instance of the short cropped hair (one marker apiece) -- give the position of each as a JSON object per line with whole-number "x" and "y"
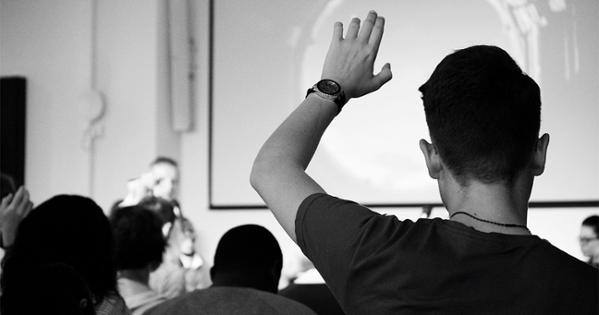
{"x": 593, "y": 222}
{"x": 164, "y": 160}
{"x": 483, "y": 114}
{"x": 247, "y": 248}
{"x": 138, "y": 238}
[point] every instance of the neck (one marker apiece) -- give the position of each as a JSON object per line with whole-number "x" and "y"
{"x": 500, "y": 203}
{"x": 236, "y": 280}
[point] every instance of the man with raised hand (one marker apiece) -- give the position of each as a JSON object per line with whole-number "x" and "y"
{"x": 483, "y": 116}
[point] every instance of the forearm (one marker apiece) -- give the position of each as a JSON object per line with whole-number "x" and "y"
{"x": 278, "y": 173}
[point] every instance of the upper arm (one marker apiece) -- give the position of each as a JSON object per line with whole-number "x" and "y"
{"x": 283, "y": 189}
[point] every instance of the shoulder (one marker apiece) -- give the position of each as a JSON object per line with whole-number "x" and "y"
{"x": 321, "y": 207}
{"x": 231, "y": 300}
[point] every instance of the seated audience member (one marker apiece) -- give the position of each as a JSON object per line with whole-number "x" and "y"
{"x": 139, "y": 244}
{"x": 589, "y": 240}
{"x": 64, "y": 230}
{"x": 310, "y": 289}
{"x": 246, "y": 271}
{"x": 483, "y": 115}
{"x": 181, "y": 269}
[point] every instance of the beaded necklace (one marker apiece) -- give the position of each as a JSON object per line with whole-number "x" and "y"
{"x": 509, "y": 225}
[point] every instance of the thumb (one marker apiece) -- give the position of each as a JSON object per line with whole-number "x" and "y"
{"x": 382, "y": 77}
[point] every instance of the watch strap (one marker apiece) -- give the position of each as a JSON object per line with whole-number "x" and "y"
{"x": 339, "y": 99}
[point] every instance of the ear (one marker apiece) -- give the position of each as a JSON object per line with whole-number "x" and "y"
{"x": 540, "y": 155}
{"x": 432, "y": 158}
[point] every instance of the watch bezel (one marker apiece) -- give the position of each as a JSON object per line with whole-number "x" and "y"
{"x": 329, "y": 86}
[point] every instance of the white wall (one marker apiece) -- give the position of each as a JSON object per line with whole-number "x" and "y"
{"x": 212, "y": 224}
{"x": 50, "y": 42}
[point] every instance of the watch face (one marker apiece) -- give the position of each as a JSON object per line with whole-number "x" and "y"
{"x": 328, "y": 86}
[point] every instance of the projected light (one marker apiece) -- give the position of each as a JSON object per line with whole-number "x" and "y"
{"x": 377, "y": 139}
{"x": 267, "y": 53}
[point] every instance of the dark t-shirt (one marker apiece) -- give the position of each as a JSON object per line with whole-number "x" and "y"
{"x": 376, "y": 264}
{"x": 314, "y": 295}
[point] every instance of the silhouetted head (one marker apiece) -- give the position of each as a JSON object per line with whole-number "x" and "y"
{"x": 165, "y": 209}
{"x": 248, "y": 256}
{"x": 483, "y": 115}
{"x": 138, "y": 238}
{"x": 66, "y": 229}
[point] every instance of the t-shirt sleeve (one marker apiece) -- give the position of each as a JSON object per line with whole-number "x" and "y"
{"x": 338, "y": 235}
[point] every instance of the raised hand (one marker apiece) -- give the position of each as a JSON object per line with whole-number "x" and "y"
{"x": 13, "y": 209}
{"x": 139, "y": 188}
{"x": 350, "y": 60}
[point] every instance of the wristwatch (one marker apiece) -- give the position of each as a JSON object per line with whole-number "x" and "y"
{"x": 330, "y": 90}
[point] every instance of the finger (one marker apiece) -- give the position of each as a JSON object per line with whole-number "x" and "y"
{"x": 377, "y": 33}
{"x": 367, "y": 26}
{"x": 6, "y": 200}
{"x": 18, "y": 196}
{"x": 353, "y": 28}
{"x": 28, "y": 207}
{"x": 22, "y": 205}
{"x": 382, "y": 77}
{"x": 338, "y": 31}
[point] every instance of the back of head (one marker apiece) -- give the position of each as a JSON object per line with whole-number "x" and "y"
{"x": 165, "y": 209}
{"x": 138, "y": 238}
{"x": 164, "y": 160}
{"x": 248, "y": 253}
{"x": 483, "y": 114}
{"x": 52, "y": 288}
{"x": 71, "y": 230}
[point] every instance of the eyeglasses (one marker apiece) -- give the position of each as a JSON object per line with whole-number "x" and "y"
{"x": 587, "y": 239}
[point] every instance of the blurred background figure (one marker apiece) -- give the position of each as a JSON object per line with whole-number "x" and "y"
{"x": 245, "y": 276}
{"x": 64, "y": 230}
{"x": 589, "y": 240}
{"x": 139, "y": 247}
{"x": 161, "y": 180}
{"x": 182, "y": 269}
{"x": 166, "y": 175}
